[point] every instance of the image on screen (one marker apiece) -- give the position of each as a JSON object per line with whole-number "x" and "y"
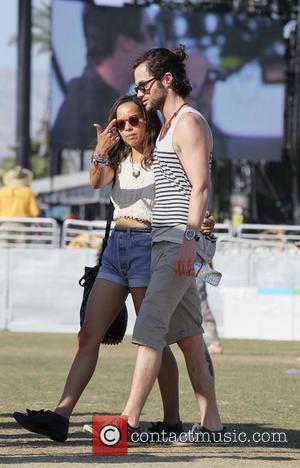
{"x": 235, "y": 65}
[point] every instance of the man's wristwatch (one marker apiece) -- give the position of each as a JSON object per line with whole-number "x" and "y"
{"x": 190, "y": 234}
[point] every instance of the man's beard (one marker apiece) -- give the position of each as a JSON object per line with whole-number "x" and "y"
{"x": 155, "y": 104}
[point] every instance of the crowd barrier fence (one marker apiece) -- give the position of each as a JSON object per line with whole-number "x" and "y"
{"x": 258, "y": 296}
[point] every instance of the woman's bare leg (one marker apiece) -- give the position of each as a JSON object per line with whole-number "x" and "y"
{"x": 104, "y": 304}
{"x": 168, "y": 378}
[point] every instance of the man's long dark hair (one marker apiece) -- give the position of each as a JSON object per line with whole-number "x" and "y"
{"x": 153, "y": 125}
{"x": 160, "y": 61}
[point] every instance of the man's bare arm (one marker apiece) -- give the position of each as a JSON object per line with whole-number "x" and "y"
{"x": 192, "y": 143}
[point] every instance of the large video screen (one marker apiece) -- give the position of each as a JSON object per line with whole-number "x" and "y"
{"x": 235, "y": 65}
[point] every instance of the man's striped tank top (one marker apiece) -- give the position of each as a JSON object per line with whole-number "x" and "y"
{"x": 172, "y": 187}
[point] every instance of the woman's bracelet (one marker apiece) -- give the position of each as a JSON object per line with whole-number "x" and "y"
{"x": 99, "y": 160}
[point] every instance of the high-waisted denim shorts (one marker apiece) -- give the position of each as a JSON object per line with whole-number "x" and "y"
{"x": 126, "y": 259}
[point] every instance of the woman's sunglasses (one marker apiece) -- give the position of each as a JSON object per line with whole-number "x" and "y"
{"x": 133, "y": 121}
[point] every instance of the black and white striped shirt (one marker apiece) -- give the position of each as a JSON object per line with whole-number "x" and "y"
{"x": 172, "y": 187}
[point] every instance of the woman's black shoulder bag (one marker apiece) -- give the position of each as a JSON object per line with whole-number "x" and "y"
{"x": 116, "y": 331}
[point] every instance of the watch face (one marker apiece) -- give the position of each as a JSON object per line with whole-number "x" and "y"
{"x": 190, "y": 234}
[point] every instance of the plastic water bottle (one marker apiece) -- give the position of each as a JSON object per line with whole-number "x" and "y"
{"x": 207, "y": 274}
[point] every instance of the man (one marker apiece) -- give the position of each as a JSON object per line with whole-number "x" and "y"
{"x": 16, "y": 201}
{"x": 170, "y": 310}
{"x": 114, "y": 36}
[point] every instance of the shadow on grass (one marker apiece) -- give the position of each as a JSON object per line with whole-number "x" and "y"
{"x": 243, "y": 437}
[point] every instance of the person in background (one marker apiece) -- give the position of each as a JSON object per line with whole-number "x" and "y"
{"x": 17, "y": 200}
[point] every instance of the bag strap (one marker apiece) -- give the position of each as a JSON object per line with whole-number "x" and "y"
{"x": 108, "y": 225}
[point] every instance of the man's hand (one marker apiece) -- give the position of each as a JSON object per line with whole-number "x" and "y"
{"x": 186, "y": 258}
{"x": 187, "y": 252}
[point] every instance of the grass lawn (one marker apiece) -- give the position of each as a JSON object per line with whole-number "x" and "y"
{"x": 254, "y": 394}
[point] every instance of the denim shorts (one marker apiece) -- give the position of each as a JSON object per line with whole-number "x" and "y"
{"x": 127, "y": 257}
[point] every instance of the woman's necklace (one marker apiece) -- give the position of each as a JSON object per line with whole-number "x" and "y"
{"x": 167, "y": 124}
{"x": 134, "y": 172}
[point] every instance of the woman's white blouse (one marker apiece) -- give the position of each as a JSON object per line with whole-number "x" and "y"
{"x": 133, "y": 197}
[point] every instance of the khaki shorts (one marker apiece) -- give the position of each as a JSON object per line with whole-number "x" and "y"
{"x": 171, "y": 307}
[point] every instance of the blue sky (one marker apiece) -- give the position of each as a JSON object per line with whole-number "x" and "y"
{"x": 8, "y": 28}
{"x": 8, "y": 80}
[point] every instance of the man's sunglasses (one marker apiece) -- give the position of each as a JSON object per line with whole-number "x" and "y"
{"x": 142, "y": 87}
{"x": 133, "y": 121}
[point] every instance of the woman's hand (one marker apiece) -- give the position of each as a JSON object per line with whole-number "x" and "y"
{"x": 208, "y": 223}
{"x": 106, "y": 139}
{"x": 100, "y": 173}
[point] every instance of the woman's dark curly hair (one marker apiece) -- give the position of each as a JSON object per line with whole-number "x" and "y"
{"x": 153, "y": 125}
{"x": 160, "y": 61}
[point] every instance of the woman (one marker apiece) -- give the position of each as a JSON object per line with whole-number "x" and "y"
{"x": 124, "y": 154}
{"x": 211, "y": 336}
